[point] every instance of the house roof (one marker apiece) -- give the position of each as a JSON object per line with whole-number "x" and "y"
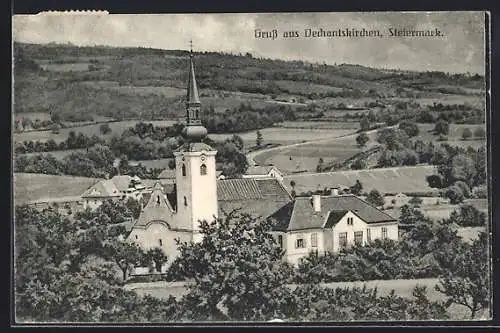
{"x": 103, "y": 188}
{"x": 260, "y": 170}
{"x": 158, "y": 208}
{"x": 122, "y": 182}
{"x": 301, "y": 214}
{"x": 259, "y": 197}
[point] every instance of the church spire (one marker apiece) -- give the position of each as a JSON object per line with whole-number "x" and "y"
{"x": 192, "y": 92}
{"x": 194, "y": 131}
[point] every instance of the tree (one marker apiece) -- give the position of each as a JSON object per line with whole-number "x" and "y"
{"x": 259, "y": 139}
{"x": 319, "y": 167}
{"x": 464, "y": 187}
{"x": 409, "y": 127}
{"x": 410, "y": 215}
{"x": 362, "y": 139}
{"x": 158, "y": 257}
{"x": 479, "y": 132}
{"x": 466, "y": 281}
{"x": 364, "y": 124}
{"x": 455, "y": 194}
{"x": 375, "y": 198}
{"x": 468, "y": 216}
{"x": 356, "y": 188}
{"x": 124, "y": 254}
{"x": 415, "y": 201}
{"x": 463, "y": 168}
{"x": 104, "y": 129}
{"x": 442, "y": 128}
{"x": 466, "y": 134}
{"x": 237, "y": 270}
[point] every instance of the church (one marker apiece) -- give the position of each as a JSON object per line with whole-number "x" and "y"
{"x": 196, "y": 193}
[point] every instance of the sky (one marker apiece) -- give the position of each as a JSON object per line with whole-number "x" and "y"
{"x": 461, "y": 48}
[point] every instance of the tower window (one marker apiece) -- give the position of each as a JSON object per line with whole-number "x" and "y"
{"x": 197, "y": 114}
{"x": 203, "y": 169}
{"x": 185, "y": 201}
{"x": 184, "y": 170}
{"x": 160, "y": 242}
{"x": 157, "y": 199}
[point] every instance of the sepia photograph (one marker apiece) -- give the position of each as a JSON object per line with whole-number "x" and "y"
{"x": 250, "y": 168}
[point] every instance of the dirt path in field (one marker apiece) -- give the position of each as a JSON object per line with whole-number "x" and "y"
{"x": 251, "y": 156}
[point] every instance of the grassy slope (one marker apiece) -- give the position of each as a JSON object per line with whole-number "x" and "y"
{"x": 32, "y": 186}
{"x": 387, "y": 180}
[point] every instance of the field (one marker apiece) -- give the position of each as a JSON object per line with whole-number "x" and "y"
{"x": 402, "y": 288}
{"x": 116, "y": 129}
{"x": 454, "y": 136}
{"x": 284, "y": 136}
{"x": 385, "y": 180}
{"x": 32, "y": 186}
{"x": 68, "y": 67}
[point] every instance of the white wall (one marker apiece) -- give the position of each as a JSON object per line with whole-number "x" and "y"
{"x": 200, "y": 190}
{"x": 294, "y": 254}
{"x": 342, "y": 226}
{"x": 149, "y": 238}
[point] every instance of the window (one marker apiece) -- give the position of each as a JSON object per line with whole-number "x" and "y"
{"x": 350, "y": 221}
{"x": 203, "y": 169}
{"x": 358, "y": 237}
{"x": 384, "y": 233}
{"x": 136, "y": 237}
{"x": 314, "y": 240}
{"x": 160, "y": 242}
{"x": 185, "y": 201}
{"x": 300, "y": 243}
{"x": 343, "y": 239}
{"x": 157, "y": 199}
{"x": 280, "y": 240}
{"x": 184, "y": 170}
{"x": 368, "y": 235}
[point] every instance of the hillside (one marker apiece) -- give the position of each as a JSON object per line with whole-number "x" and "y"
{"x": 81, "y": 83}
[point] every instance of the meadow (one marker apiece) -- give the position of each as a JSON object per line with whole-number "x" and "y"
{"x": 33, "y": 186}
{"x": 284, "y": 136}
{"x": 385, "y": 180}
{"x": 92, "y": 129}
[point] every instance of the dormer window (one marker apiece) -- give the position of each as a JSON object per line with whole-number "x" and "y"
{"x": 203, "y": 169}
{"x": 184, "y": 170}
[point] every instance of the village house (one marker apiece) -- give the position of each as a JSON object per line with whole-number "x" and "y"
{"x": 118, "y": 187}
{"x": 193, "y": 193}
{"x": 328, "y": 224}
{"x": 268, "y": 171}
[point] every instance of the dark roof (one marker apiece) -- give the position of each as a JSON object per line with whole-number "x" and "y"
{"x": 334, "y": 216}
{"x": 192, "y": 91}
{"x": 302, "y": 215}
{"x": 260, "y": 170}
{"x": 259, "y": 197}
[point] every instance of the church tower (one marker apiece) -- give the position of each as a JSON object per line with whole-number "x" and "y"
{"x": 196, "y": 179}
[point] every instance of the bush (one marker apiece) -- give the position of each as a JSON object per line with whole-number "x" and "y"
{"x": 466, "y": 134}
{"x": 480, "y": 133}
{"x": 464, "y": 187}
{"x": 480, "y": 192}
{"x": 442, "y": 128}
{"x": 455, "y": 194}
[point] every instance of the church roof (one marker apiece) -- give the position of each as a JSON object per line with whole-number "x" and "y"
{"x": 260, "y": 197}
{"x": 158, "y": 208}
{"x": 301, "y": 215}
{"x": 192, "y": 91}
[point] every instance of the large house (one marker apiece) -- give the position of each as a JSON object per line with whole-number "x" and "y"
{"x": 195, "y": 193}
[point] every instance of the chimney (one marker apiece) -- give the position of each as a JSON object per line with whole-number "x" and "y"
{"x": 316, "y": 200}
